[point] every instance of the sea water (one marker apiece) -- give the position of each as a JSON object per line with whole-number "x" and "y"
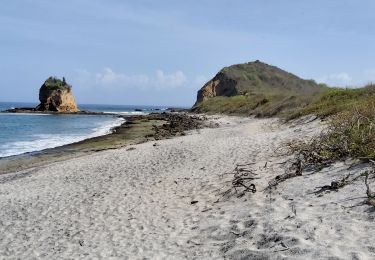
{"x": 23, "y": 133}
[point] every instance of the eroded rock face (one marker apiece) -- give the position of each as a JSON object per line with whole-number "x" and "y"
{"x": 56, "y": 95}
{"x": 220, "y": 85}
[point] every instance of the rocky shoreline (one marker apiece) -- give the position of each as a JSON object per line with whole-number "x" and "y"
{"x": 136, "y": 129}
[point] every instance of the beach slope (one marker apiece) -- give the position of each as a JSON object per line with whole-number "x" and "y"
{"x": 164, "y": 200}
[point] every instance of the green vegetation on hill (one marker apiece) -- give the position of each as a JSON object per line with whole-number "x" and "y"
{"x": 260, "y": 105}
{"x": 264, "y": 91}
{"x": 53, "y": 83}
{"x": 335, "y": 100}
{"x": 260, "y": 78}
{"x": 259, "y": 89}
{"x": 326, "y": 102}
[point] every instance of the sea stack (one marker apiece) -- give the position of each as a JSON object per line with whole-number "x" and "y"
{"x": 56, "y": 95}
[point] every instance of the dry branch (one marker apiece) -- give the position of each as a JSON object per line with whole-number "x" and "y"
{"x": 370, "y": 194}
{"x": 336, "y": 185}
{"x": 242, "y": 181}
{"x": 293, "y": 171}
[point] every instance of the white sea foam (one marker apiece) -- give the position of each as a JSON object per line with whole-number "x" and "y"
{"x": 24, "y": 114}
{"x": 130, "y": 113}
{"x": 45, "y": 141}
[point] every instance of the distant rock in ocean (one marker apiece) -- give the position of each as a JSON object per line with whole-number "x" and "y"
{"x": 56, "y": 95}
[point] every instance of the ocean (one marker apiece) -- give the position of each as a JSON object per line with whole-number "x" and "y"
{"x": 24, "y": 133}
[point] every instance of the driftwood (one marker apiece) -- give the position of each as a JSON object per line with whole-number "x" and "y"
{"x": 336, "y": 185}
{"x": 242, "y": 181}
{"x": 294, "y": 170}
{"x": 370, "y": 194}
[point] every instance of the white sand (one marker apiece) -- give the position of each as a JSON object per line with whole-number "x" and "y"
{"x": 136, "y": 204}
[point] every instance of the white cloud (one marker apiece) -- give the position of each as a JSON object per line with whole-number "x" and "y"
{"x": 108, "y": 78}
{"x": 337, "y": 79}
{"x": 176, "y": 79}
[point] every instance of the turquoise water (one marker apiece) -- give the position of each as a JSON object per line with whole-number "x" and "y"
{"x": 22, "y": 133}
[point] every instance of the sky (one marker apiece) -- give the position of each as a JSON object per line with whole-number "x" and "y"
{"x": 147, "y": 52}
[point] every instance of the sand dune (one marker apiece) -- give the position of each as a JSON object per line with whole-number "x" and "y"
{"x": 137, "y": 204}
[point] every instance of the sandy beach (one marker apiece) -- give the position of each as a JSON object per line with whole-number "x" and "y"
{"x": 164, "y": 200}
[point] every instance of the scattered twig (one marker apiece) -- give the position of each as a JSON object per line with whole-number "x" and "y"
{"x": 282, "y": 249}
{"x": 242, "y": 181}
{"x": 237, "y": 234}
{"x": 293, "y": 171}
{"x": 336, "y": 185}
{"x": 370, "y": 194}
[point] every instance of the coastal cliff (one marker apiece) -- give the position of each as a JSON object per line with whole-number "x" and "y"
{"x": 56, "y": 95}
{"x": 220, "y": 85}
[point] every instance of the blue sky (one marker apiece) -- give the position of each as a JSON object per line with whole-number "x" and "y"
{"x": 162, "y": 52}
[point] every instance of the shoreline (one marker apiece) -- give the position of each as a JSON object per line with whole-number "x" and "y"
{"x": 105, "y": 125}
{"x": 29, "y": 110}
{"x": 135, "y": 129}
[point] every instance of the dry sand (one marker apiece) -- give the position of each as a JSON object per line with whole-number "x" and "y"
{"x": 136, "y": 204}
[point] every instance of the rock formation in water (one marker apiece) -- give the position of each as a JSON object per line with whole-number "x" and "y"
{"x": 56, "y": 95}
